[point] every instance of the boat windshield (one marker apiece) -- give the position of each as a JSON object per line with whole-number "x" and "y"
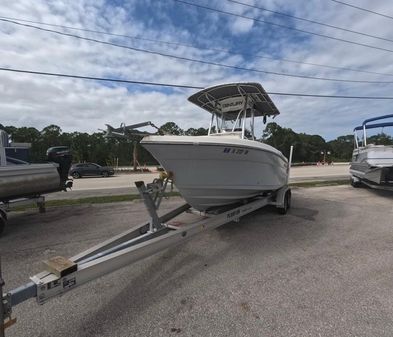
{"x": 234, "y": 107}
{"x": 221, "y": 125}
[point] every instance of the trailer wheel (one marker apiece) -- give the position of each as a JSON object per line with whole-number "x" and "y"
{"x": 144, "y": 229}
{"x": 3, "y": 221}
{"x": 287, "y": 203}
{"x": 41, "y": 208}
{"x": 355, "y": 182}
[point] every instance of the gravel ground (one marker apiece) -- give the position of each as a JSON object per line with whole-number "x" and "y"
{"x": 324, "y": 269}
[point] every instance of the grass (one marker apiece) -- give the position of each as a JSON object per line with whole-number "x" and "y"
{"x": 89, "y": 200}
{"x": 130, "y": 197}
{"x": 320, "y": 183}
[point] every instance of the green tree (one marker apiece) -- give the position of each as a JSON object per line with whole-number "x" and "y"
{"x": 170, "y": 128}
{"x": 97, "y": 148}
{"x": 196, "y": 132}
{"x": 380, "y": 139}
{"x": 282, "y": 139}
{"x": 51, "y": 135}
{"x": 341, "y": 148}
{"x": 307, "y": 148}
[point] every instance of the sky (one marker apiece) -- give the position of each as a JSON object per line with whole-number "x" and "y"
{"x": 86, "y": 106}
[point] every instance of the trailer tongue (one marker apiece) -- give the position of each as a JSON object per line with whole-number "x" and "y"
{"x": 156, "y": 234}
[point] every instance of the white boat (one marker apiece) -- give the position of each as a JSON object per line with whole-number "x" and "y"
{"x": 228, "y": 165}
{"x": 372, "y": 164}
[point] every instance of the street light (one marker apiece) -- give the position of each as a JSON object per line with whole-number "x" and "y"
{"x": 324, "y": 153}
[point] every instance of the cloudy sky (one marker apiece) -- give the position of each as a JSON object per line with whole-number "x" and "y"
{"x": 81, "y": 105}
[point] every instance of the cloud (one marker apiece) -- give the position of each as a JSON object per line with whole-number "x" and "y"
{"x": 27, "y": 100}
{"x": 240, "y": 25}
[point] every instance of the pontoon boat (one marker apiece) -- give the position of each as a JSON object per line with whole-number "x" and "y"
{"x": 372, "y": 164}
{"x": 20, "y": 179}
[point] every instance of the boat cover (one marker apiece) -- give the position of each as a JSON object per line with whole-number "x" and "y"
{"x": 229, "y": 100}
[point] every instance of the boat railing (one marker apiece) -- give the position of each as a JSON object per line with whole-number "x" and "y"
{"x": 366, "y": 126}
{"x": 227, "y": 133}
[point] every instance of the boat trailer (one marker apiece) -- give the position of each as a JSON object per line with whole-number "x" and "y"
{"x": 8, "y": 206}
{"x": 156, "y": 234}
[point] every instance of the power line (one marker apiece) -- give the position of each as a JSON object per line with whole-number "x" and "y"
{"x": 197, "y": 60}
{"x": 104, "y": 79}
{"x": 283, "y": 26}
{"x": 311, "y": 21}
{"x": 196, "y": 47}
{"x": 330, "y": 96}
{"x": 363, "y": 9}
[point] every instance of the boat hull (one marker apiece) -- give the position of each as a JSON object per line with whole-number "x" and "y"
{"x": 213, "y": 172}
{"x": 17, "y": 181}
{"x": 373, "y": 163}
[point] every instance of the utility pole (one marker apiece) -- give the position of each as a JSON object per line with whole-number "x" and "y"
{"x": 135, "y": 155}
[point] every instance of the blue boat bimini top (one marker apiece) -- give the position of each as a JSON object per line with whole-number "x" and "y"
{"x": 373, "y": 126}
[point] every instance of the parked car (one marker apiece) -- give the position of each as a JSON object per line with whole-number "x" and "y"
{"x": 90, "y": 169}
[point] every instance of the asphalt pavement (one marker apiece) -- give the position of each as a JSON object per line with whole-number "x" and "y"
{"x": 324, "y": 269}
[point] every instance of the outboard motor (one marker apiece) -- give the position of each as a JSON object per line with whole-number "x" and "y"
{"x": 61, "y": 155}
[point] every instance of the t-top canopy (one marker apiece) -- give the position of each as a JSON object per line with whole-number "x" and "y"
{"x": 227, "y": 100}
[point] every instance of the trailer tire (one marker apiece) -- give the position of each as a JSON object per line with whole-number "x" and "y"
{"x": 3, "y": 221}
{"x": 289, "y": 198}
{"x": 143, "y": 230}
{"x": 41, "y": 209}
{"x": 287, "y": 203}
{"x": 355, "y": 183}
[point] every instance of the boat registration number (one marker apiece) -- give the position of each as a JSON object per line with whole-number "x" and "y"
{"x": 235, "y": 151}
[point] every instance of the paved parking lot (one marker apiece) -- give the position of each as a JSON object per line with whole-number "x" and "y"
{"x": 324, "y": 269}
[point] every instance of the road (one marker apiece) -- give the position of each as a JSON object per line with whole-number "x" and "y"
{"x": 124, "y": 183}
{"x": 324, "y": 269}
{"x": 308, "y": 173}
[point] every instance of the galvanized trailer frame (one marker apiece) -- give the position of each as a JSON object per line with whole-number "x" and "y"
{"x": 143, "y": 240}
{"x": 6, "y": 207}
